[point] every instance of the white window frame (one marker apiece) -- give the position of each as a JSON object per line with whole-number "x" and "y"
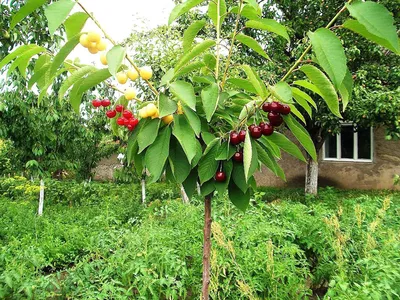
{"x": 355, "y": 148}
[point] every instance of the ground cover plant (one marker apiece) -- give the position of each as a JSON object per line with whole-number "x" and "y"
{"x": 218, "y": 127}
{"x": 343, "y": 244}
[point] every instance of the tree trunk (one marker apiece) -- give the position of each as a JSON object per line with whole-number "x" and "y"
{"x": 206, "y": 247}
{"x": 41, "y": 198}
{"x": 311, "y": 187}
{"x": 185, "y": 197}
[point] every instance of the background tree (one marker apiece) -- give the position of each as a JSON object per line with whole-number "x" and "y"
{"x": 202, "y": 129}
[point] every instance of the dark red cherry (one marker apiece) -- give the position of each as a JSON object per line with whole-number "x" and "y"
{"x": 242, "y": 135}
{"x": 256, "y": 132}
{"x": 127, "y": 114}
{"x": 238, "y": 156}
{"x": 266, "y": 106}
{"x": 96, "y": 103}
{"x": 251, "y": 127}
{"x": 120, "y": 121}
{"x": 267, "y": 129}
{"x": 275, "y": 119}
{"x": 275, "y": 107}
{"x": 234, "y": 138}
{"x": 285, "y": 109}
{"x": 119, "y": 108}
{"x": 105, "y": 103}
{"x": 111, "y": 114}
{"x": 220, "y": 176}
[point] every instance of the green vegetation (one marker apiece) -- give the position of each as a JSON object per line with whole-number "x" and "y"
{"x": 95, "y": 241}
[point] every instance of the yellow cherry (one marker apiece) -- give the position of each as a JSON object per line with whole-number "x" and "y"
{"x": 143, "y": 112}
{"x": 146, "y": 72}
{"x": 83, "y": 40}
{"x": 168, "y": 119}
{"x": 103, "y": 59}
{"x": 93, "y": 37}
{"x": 122, "y": 78}
{"x": 101, "y": 46}
{"x": 130, "y": 94}
{"x": 93, "y": 50}
{"x": 133, "y": 74}
{"x": 151, "y": 110}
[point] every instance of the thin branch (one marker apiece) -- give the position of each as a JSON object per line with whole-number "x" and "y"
{"x": 232, "y": 45}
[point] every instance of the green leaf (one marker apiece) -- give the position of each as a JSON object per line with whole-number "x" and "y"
{"x": 376, "y": 20}
{"x": 166, "y": 105}
{"x": 248, "y": 109}
{"x": 250, "y": 158}
{"x": 186, "y": 137}
{"x": 74, "y": 24}
{"x": 214, "y": 12}
{"x": 207, "y": 188}
{"x": 325, "y": 86}
{"x": 94, "y": 79}
{"x": 282, "y": 92}
{"x": 114, "y": 58}
{"x": 179, "y": 164}
{"x": 209, "y": 97}
{"x": 22, "y": 60}
{"x": 73, "y": 78}
{"x": 193, "y": 119}
{"x": 269, "y": 161}
{"x": 225, "y": 152}
{"x": 254, "y": 4}
{"x": 269, "y": 25}
{"x": 38, "y": 75}
{"x": 297, "y": 113}
{"x": 210, "y": 61}
{"x": 239, "y": 198}
{"x": 184, "y": 91}
{"x": 243, "y": 84}
{"x": 148, "y": 133}
{"x": 221, "y": 187}
{"x": 182, "y": 8}
{"x": 346, "y": 89}
{"x": 299, "y": 93}
{"x": 301, "y": 135}
{"x": 190, "y": 184}
{"x": 190, "y": 34}
{"x": 63, "y": 53}
{"x": 358, "y": 28}
{"x": 286, "y": 145}
{"x": 247, "y": 11}
{"x": 48, "y": 84}
{"x": 157, "y": 154}
{"x": 330, "y": 54}
{"x": 308, "y": 85}
{"x": 194, "y": 52}
{"x": 255, "y": 81}
{"x": 303, "y": 103}
{"x": 24, "y": 11}
{"x": 239, "y": 178}
{"x": 189, "y": 68}
{"x": 57, "y": 12}
{"x": 274, "y": 149}
{"x": 208, "y": 165}
{"x": 252, "y": 44}
{"x": 17, "y": 52}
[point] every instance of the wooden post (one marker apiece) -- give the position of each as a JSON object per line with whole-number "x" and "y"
{"x": 206, "y": 248}
{"x": 41, "y": 198}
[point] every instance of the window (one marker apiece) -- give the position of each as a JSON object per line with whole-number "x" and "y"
{"x": 349, "y": 145}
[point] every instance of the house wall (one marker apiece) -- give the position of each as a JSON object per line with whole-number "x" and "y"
{"x": 347, "y": 175}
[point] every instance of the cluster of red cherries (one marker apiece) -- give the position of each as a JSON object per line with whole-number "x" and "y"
{"x": 126, "y": 116}
{"x": 275, "y": 111}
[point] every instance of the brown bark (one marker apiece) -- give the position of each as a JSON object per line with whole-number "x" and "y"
{"x": 206, "y": 247}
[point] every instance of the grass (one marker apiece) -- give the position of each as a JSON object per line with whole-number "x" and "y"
{"x": 343, "y": 244}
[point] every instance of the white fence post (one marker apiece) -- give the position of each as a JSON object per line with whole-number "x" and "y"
{"x": 41, "y": 198}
